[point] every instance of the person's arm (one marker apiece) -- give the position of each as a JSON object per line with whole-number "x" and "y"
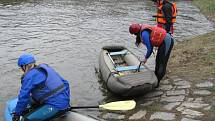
{"x": 146, "y": 40}
{"x": 24, "y": 96}
{"x": 167, "y": 11}
{"x": 28, "y": 83}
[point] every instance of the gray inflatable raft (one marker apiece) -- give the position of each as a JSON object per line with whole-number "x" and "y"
{"x": 119, "y": 69}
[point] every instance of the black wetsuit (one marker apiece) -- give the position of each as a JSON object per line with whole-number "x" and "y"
{"x": 162, "y": 57}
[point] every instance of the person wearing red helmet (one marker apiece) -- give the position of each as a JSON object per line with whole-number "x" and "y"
{"x": 153, "y": 36}
{"x": 166, "y": 14}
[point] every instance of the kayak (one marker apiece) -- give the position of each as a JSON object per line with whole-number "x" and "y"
{"x": 70, "y": 116}
{"x": 122, "y": 74}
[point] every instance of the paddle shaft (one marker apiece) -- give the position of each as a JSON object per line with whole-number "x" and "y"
{"x": 139, "y": 66}
{"x": 80, "y": 107}
{"x": 118, "y": 105}
{"x": 70, "y": 109}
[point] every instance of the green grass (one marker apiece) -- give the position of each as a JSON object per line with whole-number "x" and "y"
{"x": 207, "y": 7}
{"x": 195, "y": 57}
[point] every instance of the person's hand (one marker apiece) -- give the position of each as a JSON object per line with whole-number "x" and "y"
{"x": 144, "y": 61}
{"x": 15, "y": 117}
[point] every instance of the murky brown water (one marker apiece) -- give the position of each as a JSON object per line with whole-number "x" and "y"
{"x": 68, "y": 35}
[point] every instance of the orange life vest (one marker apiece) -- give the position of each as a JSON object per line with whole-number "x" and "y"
{"x": 160, "y": 16}
{"x": 157, "y": 34}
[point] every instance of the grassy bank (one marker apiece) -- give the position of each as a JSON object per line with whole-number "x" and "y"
{"x": 194, "y": 58}
{"x": 206, "y": 7}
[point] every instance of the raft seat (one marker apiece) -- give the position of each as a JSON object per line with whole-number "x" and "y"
{"x": 128, "y": 68}
{"x": 123, "y": 52}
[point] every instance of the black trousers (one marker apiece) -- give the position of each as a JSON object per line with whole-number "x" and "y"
{"x": 162, "y": 57}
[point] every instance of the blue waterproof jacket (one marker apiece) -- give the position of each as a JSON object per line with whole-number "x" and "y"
{"x": 46, "y": 86}
{"x": 145, "y": 37}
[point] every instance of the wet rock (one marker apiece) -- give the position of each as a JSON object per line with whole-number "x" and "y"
{"x": 173, "y": 99}
{"x": 165, "y": 87}
{"x": 166, "y": 81}
{"x": 153, "y": 94}
{"x": 170, "y": 106}
{"x": 182, "y": 84}
{"x": 190, "y": 99}
{"x": 206, "y": 84}
{"x": 175, "y": 92}
{"x": 194, "y": 105}
{"x": 184, "y": 87}
{"x": 192, "y": 116}
{"x": 163, "y": 116}
{"x": 139, "y": 115}
{"x": 199, "y": 99}
{"x": 153, "y": 99}
{"x": 113, "y": 116}
{"x": 188, "y": 119}
{"x": 202, "y": 92}
{"x": 180, "y": 108}
{"x": 207, "y": 108}
{"x": 177, "y": 79}
{"x": 192, "y": 113}
{"x": 147, "y": 103}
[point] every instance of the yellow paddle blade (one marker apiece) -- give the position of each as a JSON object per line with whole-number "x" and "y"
{"x": 119, "y": 105}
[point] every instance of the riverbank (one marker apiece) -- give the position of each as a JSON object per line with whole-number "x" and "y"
{"x": 194, "y": 58}
{"x": 207, "y": 8}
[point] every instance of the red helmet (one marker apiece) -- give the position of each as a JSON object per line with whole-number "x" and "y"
{"x": 134, "y": 28}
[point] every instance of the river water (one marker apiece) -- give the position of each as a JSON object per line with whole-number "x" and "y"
{"x": 68, "y": 35}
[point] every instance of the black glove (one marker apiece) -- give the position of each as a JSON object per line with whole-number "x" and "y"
{"x": 15, "y": 117}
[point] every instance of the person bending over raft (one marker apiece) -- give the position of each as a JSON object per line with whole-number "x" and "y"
{"x": 152, "y": 36}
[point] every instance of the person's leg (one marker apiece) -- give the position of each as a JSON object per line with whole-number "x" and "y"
{"x": 159, "y": 66}
{"x": 42, "y": 113}
{"x": 162, "y": 57}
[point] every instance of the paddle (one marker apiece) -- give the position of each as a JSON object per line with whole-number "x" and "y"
{"x": 118, "y": 105}
{"x": 138, "y": 69}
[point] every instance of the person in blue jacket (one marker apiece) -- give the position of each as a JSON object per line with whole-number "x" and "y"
{"x": 45, "y": 86}
{"x": 152, "y": 36}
